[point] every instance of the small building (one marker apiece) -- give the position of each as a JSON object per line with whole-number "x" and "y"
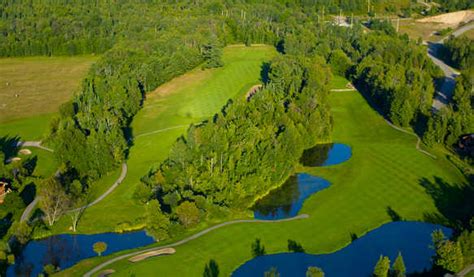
{"x": 4, "y": 190}
{"x": 466, "y": 145}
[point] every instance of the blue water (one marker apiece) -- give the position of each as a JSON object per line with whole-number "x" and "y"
{"x": 326, "y": 154}
{"x": 412, "y": 239}
{"x": 287, "y": 200}
{"x": 66, "y": 250}
{"x": 339, "y": 153}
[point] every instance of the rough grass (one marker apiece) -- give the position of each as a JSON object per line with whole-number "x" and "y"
{"x": 415, "y": 30}
{"x": 32, "y": 89}
{"x": 166, "y": 114}
{"x": 385, "y": 171}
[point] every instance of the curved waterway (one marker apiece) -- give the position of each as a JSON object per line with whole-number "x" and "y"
{"x": 287, "y": 200}
{"x": 64, "y": 251}
{"x": 411, "y": 239}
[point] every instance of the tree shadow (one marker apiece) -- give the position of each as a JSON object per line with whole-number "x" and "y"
{"x": 9, "y": 146}
{"x": 353, "y": 237}
{"x": 28, "y": 193}
{"x": 393, "y": 214}
{"x": 455, "y": 202}
{"x": 264, "y": 70}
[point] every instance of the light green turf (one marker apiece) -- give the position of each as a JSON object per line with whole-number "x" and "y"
{"x": 339, "y": 82}
{"x": 30, "y": 128}
{"x": 184, "y": 100}
{"x": 385, "y": 170}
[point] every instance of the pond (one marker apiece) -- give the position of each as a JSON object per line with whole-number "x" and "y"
{"x": 326, "y": 154}
{"x": 66, "y": 250}
{"x": 287, "y": 200}
{"x": 411, "y": 239}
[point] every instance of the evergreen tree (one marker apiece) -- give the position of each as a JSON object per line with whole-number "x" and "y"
{"x": 211, "y": 269}
{"x": 382, "y": 267}
{"x": 399, "y": 266}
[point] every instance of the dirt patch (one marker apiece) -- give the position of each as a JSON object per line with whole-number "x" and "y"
{"x": 106, "y": 272}
{"x": 252, "y": 91}
{"x": 25, "y": 151}
{"x": 146, "y": 255}
{"x": 450, "y": 19}
{"x": 177, "y": 83}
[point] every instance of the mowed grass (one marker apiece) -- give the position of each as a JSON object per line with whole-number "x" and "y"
{"x": 339, "y": 82}
{"x": 33, "y": 88}
{"x": 384, "y": 171}
{"x": 167, "y": 113}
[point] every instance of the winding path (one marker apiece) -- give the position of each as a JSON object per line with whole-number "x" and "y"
{"x": 412, "y": 134}
{"x": 445, "y": 93}
{"x": 183, "y": 241}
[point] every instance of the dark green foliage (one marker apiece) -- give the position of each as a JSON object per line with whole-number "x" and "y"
{"x": 157, "y": 223}
{"x": 211, "y": 269}
{"x": 293, "y": 246}
{"x": 251, "y": 145}
{"x": 384, "y": 26}
{"x": 339, "y": 62}
{"x": 459, "y": 51}
{"x": 22, "y": 232}
{"x": 454, "y": 5}
{"x": 397, "y": 75}
{"x": 257, "y": 248}
{"x": 212, "y": 55}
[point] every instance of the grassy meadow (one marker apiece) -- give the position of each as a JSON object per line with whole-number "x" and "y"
{"x": 386, "y": 173}
{"x": 166, "y": 114}
{"x": 33, "y": 88}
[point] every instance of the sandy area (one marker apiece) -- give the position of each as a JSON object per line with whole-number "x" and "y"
{"x": 146, "y": 255}
{"x": 450, "y": 19}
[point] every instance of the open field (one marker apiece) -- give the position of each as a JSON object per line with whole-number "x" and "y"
{"x": 32, "y": 89}
{"x": 167, "y": 113}
{"x": 385, "y": 171}
{"x": 427, "y": 31}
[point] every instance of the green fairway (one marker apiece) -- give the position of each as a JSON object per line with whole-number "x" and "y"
{"x": 384, "y": 172}
{"x": 165, "y": 116}
{"x": 339, "y": 82}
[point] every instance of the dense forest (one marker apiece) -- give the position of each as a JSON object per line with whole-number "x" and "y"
{"x": 250, "y": 146}
{"x": 459, "y": 52}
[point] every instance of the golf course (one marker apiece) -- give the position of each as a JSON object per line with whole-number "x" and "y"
{"x": 385, "y": 173}
{"x": 237, "y": 138}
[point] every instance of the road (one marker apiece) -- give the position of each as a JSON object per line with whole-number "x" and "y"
{"x": 444, "y": 95}
{"x": 183, "y": 241}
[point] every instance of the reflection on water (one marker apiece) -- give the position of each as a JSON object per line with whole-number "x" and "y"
{"x": 63, "y": 251}
{"x": 326, "y": 154}
{"x": 287, "y": 200}
{"x": 412, "y": 239}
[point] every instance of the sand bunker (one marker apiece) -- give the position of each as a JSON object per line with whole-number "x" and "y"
{"x": 16, "y": 159}
{"x": 146, "y": 255}
{"x": 452, "y": 19}
{"x": 25, "y": 151}
{"x": 106, "y": 272}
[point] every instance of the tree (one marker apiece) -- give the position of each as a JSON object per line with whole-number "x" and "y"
{"x": 449, "y": 256}
{"x": 272, "y": 273}
{"x": 314, "y": 272}
{"x": 52, "y": 199}
{"x": 399, "y": 266}
{"x": 257, "y": 248}
{"x": 99, "y": 247}
{"x": 293, "y": 246}
{"x": 211, "y": 269}
{"x": 382, "y": 267}
{"x": 157, "y": 223}
{"x": 22, "y": 232}
{"x": 76, "y": 203}
{"x": 212, "y": 55}
{"x": 188, "y": 214}
{"x": 339, "y": 62}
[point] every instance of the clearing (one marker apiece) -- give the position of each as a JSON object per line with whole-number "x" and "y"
{"x": 33, "y": 88}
